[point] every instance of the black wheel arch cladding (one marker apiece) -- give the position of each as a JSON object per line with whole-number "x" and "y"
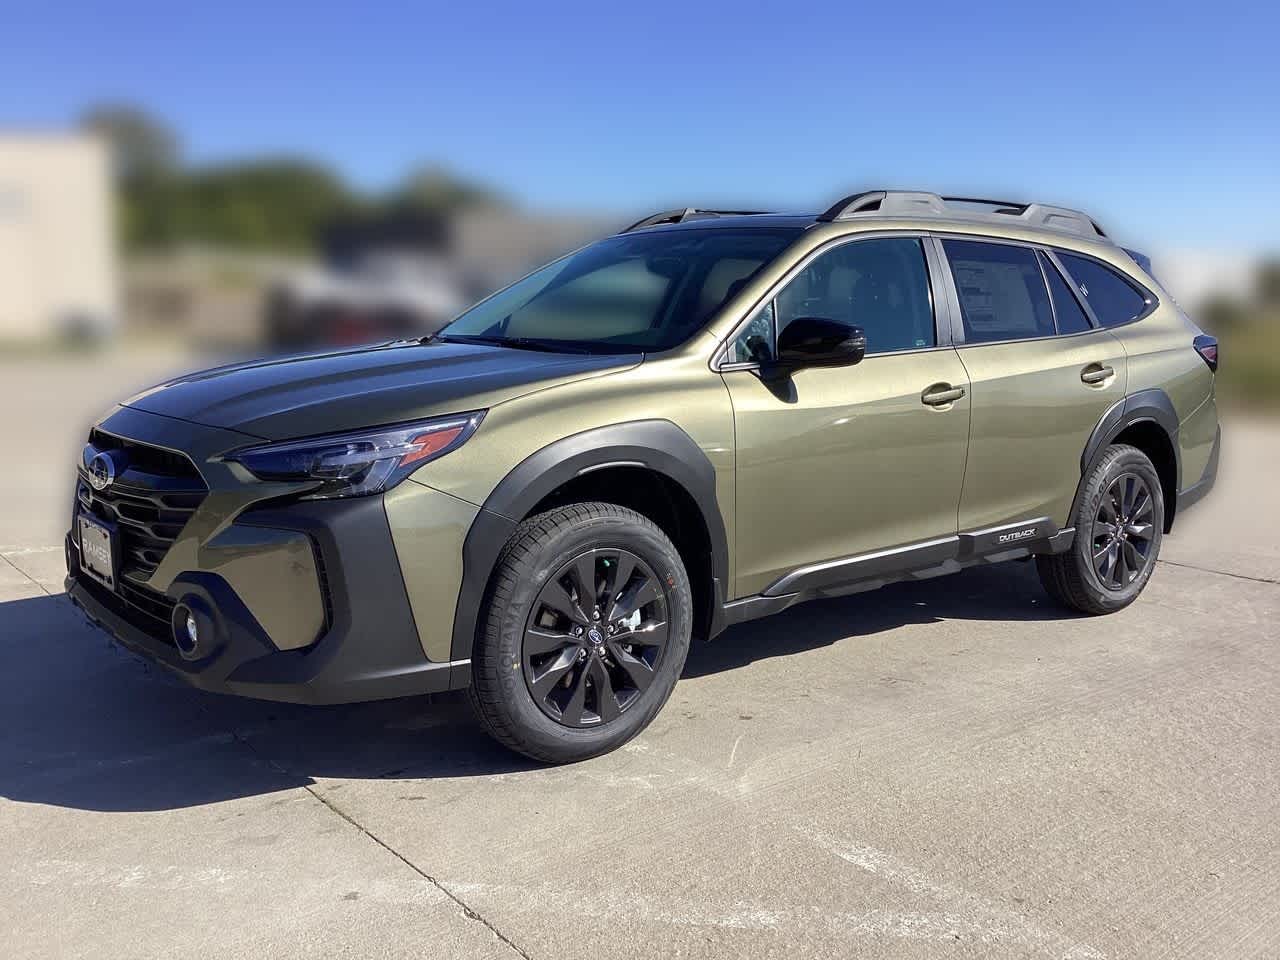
{"x": 1151, "y": 406}
{"x": 657, "y": 445}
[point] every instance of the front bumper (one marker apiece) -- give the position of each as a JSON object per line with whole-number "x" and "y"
{"x": 368, "y": 648}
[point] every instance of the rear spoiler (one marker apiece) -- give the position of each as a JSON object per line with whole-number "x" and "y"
{"x": 1141, "y": 259}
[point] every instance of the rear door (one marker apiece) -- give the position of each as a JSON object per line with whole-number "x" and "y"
{"x": 838, "y": 462}
{"x": 1042, "y": 376}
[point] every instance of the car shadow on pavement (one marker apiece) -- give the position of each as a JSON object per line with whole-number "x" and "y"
{"x": 1005, "y": 592}
{"x": 87, "y": 725}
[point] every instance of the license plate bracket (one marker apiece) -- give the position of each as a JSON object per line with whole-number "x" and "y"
{"x": 99, "y": 553}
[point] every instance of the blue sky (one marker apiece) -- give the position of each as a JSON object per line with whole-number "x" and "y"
{"x": 1163, "y": 121}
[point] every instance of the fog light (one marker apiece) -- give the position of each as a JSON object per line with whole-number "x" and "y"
{"x": 192, "y": 628}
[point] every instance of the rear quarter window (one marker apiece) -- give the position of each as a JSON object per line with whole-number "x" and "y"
{"x": 1070, "y": 315}
{"x": 1113, "y": 299}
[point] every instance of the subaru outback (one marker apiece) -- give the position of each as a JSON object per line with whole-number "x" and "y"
{"x": 707, "y": 418}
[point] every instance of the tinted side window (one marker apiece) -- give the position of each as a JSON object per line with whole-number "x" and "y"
{"x": 1071, "y": 316}
{"x": 880, "y": 285}
{"x": 1002, "y": 292}
{"x": 1114, "y": 300}
{"x": 754, "y": 342}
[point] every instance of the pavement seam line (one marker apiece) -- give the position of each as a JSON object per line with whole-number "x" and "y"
{"x": 469, "y": 912}
{"x": 28, "y": 576}
{"x": 1221, "y": 573}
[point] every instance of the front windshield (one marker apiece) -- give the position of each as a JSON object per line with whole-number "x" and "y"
{"x": 640, "y": 292}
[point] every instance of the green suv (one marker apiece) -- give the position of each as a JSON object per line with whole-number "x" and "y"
{"x": 705, "y": 419}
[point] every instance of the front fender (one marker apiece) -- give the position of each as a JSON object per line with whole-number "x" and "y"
{"x": 657, "y": 445}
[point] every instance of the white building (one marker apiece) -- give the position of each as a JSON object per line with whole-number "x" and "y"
{"x": 57, "y": 251}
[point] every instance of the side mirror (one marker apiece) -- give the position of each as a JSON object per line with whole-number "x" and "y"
{"x": 820, "y": 342}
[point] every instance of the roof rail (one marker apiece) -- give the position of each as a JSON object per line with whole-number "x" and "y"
{"x": 905, "y": 203}
{"x": 688, "y": 213}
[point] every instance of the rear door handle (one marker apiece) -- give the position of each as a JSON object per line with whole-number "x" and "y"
{"x": 1096, "y": 373}
{"x": 941, "y": 394}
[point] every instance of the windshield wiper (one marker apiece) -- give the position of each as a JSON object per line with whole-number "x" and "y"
{"x": 518, "y": 343}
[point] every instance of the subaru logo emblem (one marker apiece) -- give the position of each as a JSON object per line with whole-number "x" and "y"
{"x": 102, "y": 472}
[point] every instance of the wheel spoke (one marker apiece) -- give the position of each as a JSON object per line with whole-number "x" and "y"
{"x": 621, "y": 570}
{"x": 1140, "y": 531}
{"x": 1122, "y": 566}
{"x": 634, "y": 596}
{"x": 584, "y": 576}
{"x": 1102, "y": 531}
{"x": 1108, "y": 570}
{"x": 572, "y": 711}
{"x": 545, "y": 680}
{"x": 1107, "y": 507}
{"x": 651, "y": 634}
{"x": 1141, "y": 506}
{"x": 606, "y": 700}
{"x": 539, "y": 640}
{"x": 639, "y": 672}
{"x": 1133, "y": 559}
{"x": 555, "y": 596}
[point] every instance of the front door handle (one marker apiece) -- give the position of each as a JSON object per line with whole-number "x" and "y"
{"x": 941, "y": 394}
{"x": 1096, "y": 373}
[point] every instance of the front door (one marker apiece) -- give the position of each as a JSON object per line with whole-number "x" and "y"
{"x": 837, "y": 462}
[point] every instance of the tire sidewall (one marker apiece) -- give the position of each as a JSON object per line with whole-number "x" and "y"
{"x": 1125, "y": 460}
{"x": 533, "y": 572}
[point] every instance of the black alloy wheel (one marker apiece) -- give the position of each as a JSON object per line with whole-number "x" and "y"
{"x": 1123, "y": 532}
{"x": 1119, "y": 520}
{"x": 595, "y": 636}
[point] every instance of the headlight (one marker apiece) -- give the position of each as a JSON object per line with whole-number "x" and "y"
{"x": 355, "y": 464}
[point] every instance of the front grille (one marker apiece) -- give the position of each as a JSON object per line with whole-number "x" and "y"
{"x": 150, "y": 502}
{"x": 150, "y": 612}
{"x": 146, "y": 458}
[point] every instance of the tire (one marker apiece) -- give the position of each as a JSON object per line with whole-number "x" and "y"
{"x": 1096, "y": 575}
{"x": 535, "y": 600}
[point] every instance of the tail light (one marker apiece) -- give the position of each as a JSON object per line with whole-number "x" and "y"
{"x": 1207, "y": 347}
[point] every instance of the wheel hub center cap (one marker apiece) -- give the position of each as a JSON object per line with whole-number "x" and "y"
{"x": 595, "y": 636}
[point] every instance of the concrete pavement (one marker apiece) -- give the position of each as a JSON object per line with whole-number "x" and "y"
{"x": 950, "y": 768}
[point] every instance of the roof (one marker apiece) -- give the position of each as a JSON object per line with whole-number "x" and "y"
{"x": 894, "y": 205}
{"x": 718, "y": 221}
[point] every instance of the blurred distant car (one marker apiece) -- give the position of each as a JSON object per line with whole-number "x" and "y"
{"x": 382, "y": 296}
{"x": 384, "y": 276}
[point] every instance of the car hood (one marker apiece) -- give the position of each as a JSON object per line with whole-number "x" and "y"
{"x": 328, "y": 392}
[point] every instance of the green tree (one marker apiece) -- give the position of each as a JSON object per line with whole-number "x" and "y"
{"x": 1266, "y": 284}
{"x": 1223, "y": 313}
{"x": 142, "y": 147}
{"x": 275, "y": 203}
{"x": 145, "y": 156}
{"x": 270, "y": 204}
{"x": 432, "y": 189}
